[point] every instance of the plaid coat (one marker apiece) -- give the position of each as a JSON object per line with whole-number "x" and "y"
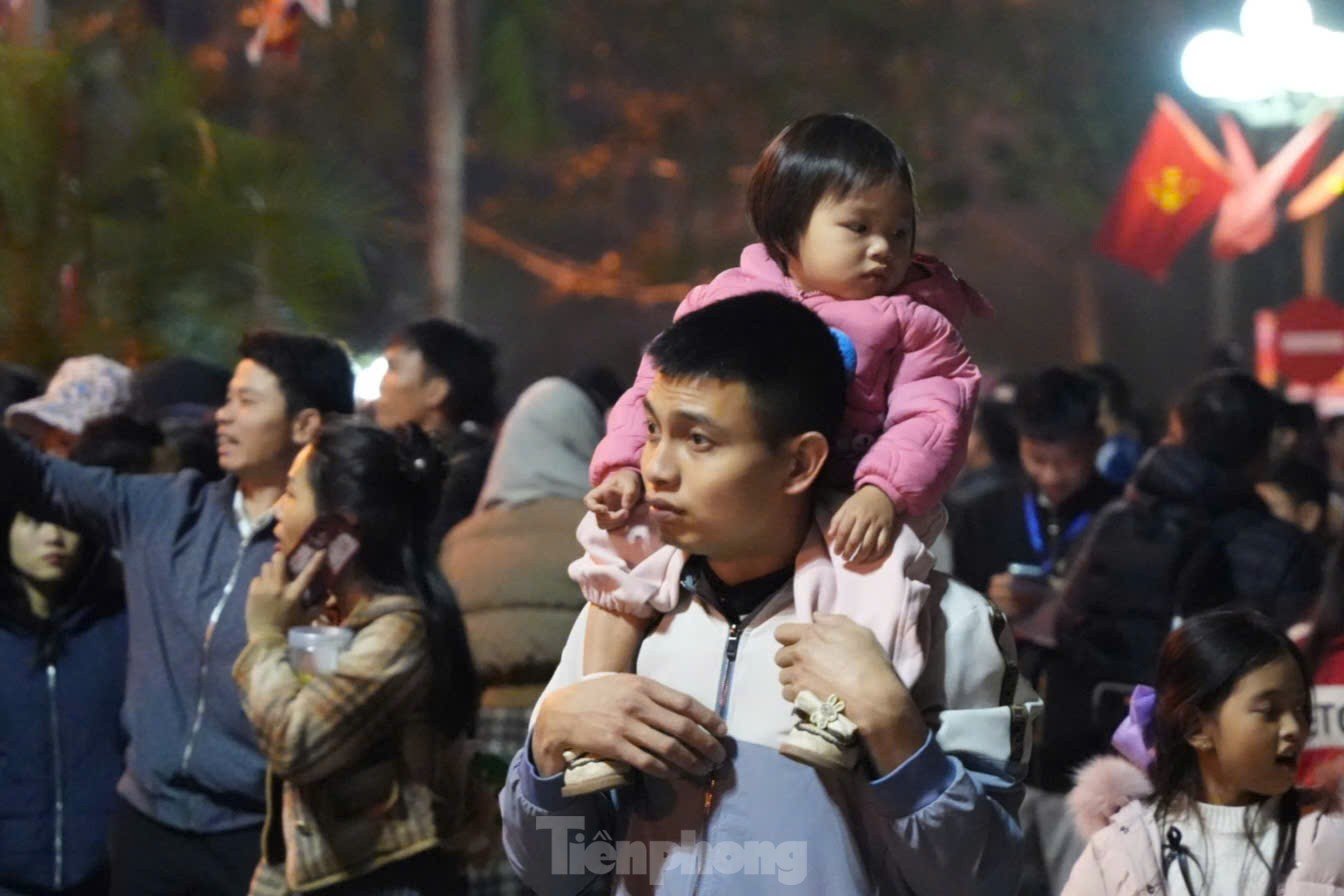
{"x": 354, "y": 772}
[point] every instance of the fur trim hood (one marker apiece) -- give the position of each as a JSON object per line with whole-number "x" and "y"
{"x": 1102, "y": 787}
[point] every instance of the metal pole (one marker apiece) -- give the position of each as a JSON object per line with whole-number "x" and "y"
{"x": 445, "y": 120}
{"x": 1313, "y": 255}
{"x": 1223, "y": 301}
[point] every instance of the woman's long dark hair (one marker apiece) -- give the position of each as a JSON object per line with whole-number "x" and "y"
{"x": 1200, "y": 665}
{"x": 94, "y": 581}
{"x": 1327, "y": 622}
{"x": 389, "y": 485}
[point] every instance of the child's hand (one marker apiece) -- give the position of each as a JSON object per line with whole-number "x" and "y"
{"x": 864, "y": 528}
{"x": 613, "y": 499}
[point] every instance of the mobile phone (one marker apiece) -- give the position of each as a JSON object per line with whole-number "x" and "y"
{"x": 1028, "y": 571}
{"x": 336, "y": 536}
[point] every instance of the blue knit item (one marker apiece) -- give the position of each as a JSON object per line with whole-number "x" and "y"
{"x": 848, "y": 353}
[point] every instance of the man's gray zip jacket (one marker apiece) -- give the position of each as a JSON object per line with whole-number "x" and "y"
{"x": 191, "y": 762}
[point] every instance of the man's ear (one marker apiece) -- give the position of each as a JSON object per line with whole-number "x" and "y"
{"x": 303, "y": 428}
{"x": 437, "y": 390}
{"x": 807, "y": 455}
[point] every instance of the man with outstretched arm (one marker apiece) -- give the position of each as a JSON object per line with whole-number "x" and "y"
{"x": 191, "y": 799}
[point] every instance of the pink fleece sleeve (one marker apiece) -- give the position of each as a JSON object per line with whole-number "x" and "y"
{"x": 626, "y": 570}
{"x": 929, "y": 412}
{"x": 621, "y": 446}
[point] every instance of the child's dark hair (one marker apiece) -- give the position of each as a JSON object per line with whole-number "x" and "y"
{"x": 1200, "y": 665}
{"x": 780, "y": 350}
{"x": 813, "y": 158}
{"x": 389, "y": 486}
{"x": 314, "y": 372}
{"x": 1057, "y": 405}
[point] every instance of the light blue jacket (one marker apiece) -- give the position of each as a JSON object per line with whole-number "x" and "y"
{"x": 942, "y": 823}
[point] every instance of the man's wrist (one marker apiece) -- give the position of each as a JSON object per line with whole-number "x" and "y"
{"x": 547, "y": 753}
{"x": 893, "y": 734}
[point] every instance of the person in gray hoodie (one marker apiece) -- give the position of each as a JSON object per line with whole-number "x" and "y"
{"x": 192, "y": 799}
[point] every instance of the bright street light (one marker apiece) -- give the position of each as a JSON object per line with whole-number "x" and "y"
{"x": 1279, "y": 69}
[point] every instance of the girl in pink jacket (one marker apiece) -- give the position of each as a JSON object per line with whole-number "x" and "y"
{"x": 832, "y": 199}
{"x": 1220, "y": 740}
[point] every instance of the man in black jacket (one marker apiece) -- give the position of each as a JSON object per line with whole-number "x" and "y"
{"x": 441, "y": 377}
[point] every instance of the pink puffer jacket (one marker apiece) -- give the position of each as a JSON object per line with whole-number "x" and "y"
{"x": 1121, "y": 859}
{"x": 909, "y": 407}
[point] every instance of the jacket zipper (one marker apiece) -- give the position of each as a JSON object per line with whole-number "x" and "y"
{"x": 205, "y": 652}
{"x": 58, "y": 839}
{"x": 721, "y": 697}
{"x": 725, "y": 688}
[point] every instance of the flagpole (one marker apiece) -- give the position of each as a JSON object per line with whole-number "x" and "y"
{"x": 1223, "y": 300}
{"x": 1314, "y": 233}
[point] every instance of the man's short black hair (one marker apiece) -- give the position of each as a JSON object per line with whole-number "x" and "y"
{"x": 1227, "y": 418}
{"x": 1303, "y": 482}
{"x": 787, "y": 358}
{"x": 314, "y": 372}
{"x": 815, "y": 157}
{"x": 464, "y": 359}
{"x": 1057, "y": 405}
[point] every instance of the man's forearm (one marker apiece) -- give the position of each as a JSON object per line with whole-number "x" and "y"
{"x": 889, "y": 723}
{"x": 539, "y": 823}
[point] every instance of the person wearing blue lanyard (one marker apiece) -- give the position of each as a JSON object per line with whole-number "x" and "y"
{"x": 1009, "y": 541}
{"x": 1015, "y": 543}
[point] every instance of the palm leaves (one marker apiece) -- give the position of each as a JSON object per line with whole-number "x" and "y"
{"x": 180, "y": 229}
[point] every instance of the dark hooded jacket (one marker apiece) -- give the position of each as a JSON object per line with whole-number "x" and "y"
{"x": 1188, "y": 536}
{"x": 61, "y": 740}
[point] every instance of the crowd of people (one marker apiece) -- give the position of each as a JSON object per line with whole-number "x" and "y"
{"x": 812, "y": 604}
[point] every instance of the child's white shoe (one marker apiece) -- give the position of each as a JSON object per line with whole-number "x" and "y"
{"x": 585, "y": 773}
{"x": 822, "y": 735}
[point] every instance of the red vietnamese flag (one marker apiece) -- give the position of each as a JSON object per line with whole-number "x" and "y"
{"x": 1174, "y": 186}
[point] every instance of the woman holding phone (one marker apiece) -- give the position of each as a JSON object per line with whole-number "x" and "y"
{"x": 367, "y": 764}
